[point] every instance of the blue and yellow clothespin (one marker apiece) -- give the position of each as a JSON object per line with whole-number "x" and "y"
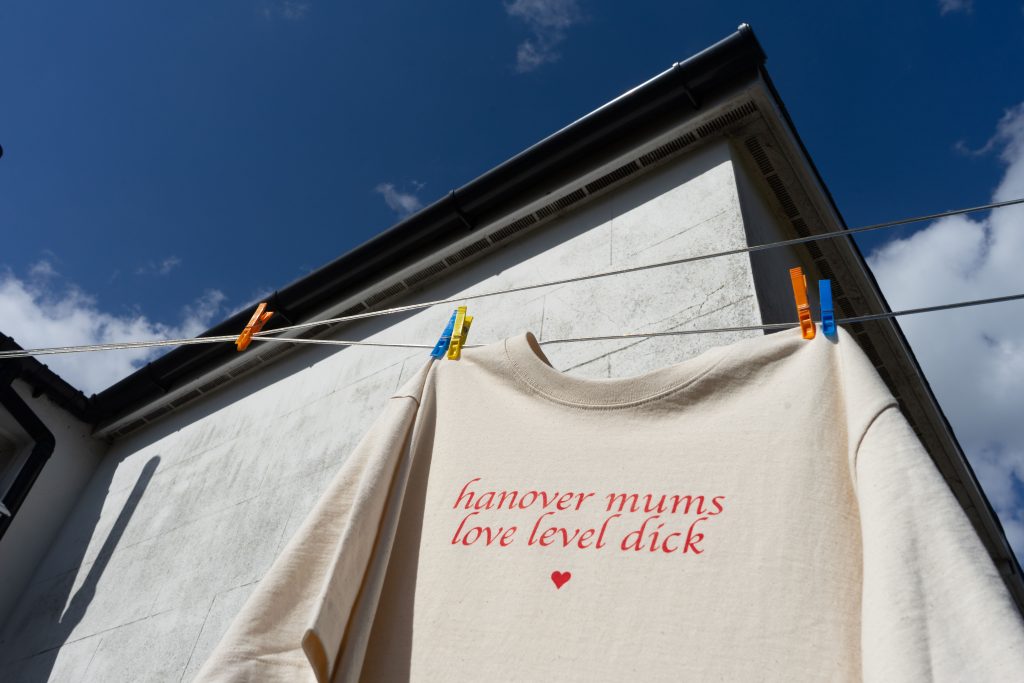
{"x": 828, "y": 315}
{"x": 459, "y": 333}
{"x": 454, "y": 336}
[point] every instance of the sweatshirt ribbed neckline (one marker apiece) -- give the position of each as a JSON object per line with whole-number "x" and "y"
{"x": 531, "y": 366}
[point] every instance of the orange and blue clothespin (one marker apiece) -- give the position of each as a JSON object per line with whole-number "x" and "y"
{"x": 803, "y": 309}
{"x": 828, "y": 315}
{"x": 259, "y": 319}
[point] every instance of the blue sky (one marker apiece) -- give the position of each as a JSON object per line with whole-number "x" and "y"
{"x": 168, "y": 163}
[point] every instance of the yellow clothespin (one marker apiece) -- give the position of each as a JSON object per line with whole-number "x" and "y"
{"x": 459, "y": 333}
{"x": 803, "y": 309}
{"x": 259, "y": 319}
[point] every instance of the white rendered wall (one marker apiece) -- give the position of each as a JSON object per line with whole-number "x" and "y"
{"x": 55, "y": 492}
{"x": 770, "y": 268}
{"x": 183, "y": 518}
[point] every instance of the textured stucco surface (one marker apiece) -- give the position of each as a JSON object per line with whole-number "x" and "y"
{"x": 53, "y": 495}
{"x": 182, "y": 519}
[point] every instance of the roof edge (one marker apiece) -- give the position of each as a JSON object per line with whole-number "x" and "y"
{"x": 43, "y": 380}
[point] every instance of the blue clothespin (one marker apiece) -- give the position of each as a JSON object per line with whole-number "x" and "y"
{"x": 828, "y": 316}
{"x": 445, "y": 341}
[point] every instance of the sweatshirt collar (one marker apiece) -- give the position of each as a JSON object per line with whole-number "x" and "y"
{"x": 531, "y": 366}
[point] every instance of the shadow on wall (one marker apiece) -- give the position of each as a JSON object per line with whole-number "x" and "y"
{"x": 36, "y": 658}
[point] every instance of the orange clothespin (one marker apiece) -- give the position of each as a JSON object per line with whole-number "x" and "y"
{"x": 259, "y": 319}
{"x": 803, "y": 309}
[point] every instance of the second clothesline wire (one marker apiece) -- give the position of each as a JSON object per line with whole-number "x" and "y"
{"x": 269, "y": 335}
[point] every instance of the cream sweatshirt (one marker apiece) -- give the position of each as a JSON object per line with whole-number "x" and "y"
{"x": 760, "y": 512}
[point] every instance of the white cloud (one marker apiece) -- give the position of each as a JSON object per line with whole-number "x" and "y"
{"x": 548, "y": 20}
{"x": 974, "y": 358}
{"x": 949, "y": 6}
{"x": 402, "y": 203}
{"x": 162, "y": 267}
{"x": 41, "y": 312}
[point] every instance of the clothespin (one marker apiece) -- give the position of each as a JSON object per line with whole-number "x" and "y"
{"x": 459, "y": 333}
{"x": 446, "y": 338}
{"x": 803, "y": 309}
{"x": 828, "y": 315}
{"x": 259, "y": 319}
{"x": 465, "y": 332}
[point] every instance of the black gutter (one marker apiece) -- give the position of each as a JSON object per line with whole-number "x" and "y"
{"x": 41, "y": 451}
{"x": 586, "y": 143}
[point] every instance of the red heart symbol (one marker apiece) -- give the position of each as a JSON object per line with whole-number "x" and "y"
{"x": 560, "y": 578}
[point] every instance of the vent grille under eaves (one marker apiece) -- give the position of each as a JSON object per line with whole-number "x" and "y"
{"x": 613, "y": 177}
{"x": 726, "y": 119}
{"x": 513, "y": 227}
{"x": 760, "y": 156}
{"x": 386, "y": 293}
{"x": 467, "y": 251}
{"x": 668, "y": 149}
{"x": 559, "y": 204}
{"x": 424, "y": 274}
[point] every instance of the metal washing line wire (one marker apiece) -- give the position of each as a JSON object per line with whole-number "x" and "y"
{"x": 269, "y": 335}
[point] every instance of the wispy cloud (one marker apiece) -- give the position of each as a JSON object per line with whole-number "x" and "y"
{"x": 44, "y": 310}
{"x": 974, "y": 358}
{"x": 162, "y": 267}
{"x": 259, "y": 294}
{"x": 42, "y": 269}
{"x": 1005, "y": 139}
{"x": 950, "y": 6}
{"x": 292, "y": 10}
{"x": 548, "y": 21}
{"x": 402, "y": 203}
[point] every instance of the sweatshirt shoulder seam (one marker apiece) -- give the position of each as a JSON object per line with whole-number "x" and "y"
{"x": 409, "y": 396}
{"x": 888, "y": 405}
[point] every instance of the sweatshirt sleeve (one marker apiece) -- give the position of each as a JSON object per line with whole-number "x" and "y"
{"x": 292, "y": 626}
{"x": 934, "y": 607}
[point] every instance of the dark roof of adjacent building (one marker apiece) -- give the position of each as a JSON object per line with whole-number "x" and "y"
{"x": 43, "y": 380}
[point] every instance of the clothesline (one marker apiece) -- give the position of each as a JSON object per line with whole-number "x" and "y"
{"x": 667, "y": 333}
{"x": 648, "y": 266}
{"x": 269, "y": 335}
